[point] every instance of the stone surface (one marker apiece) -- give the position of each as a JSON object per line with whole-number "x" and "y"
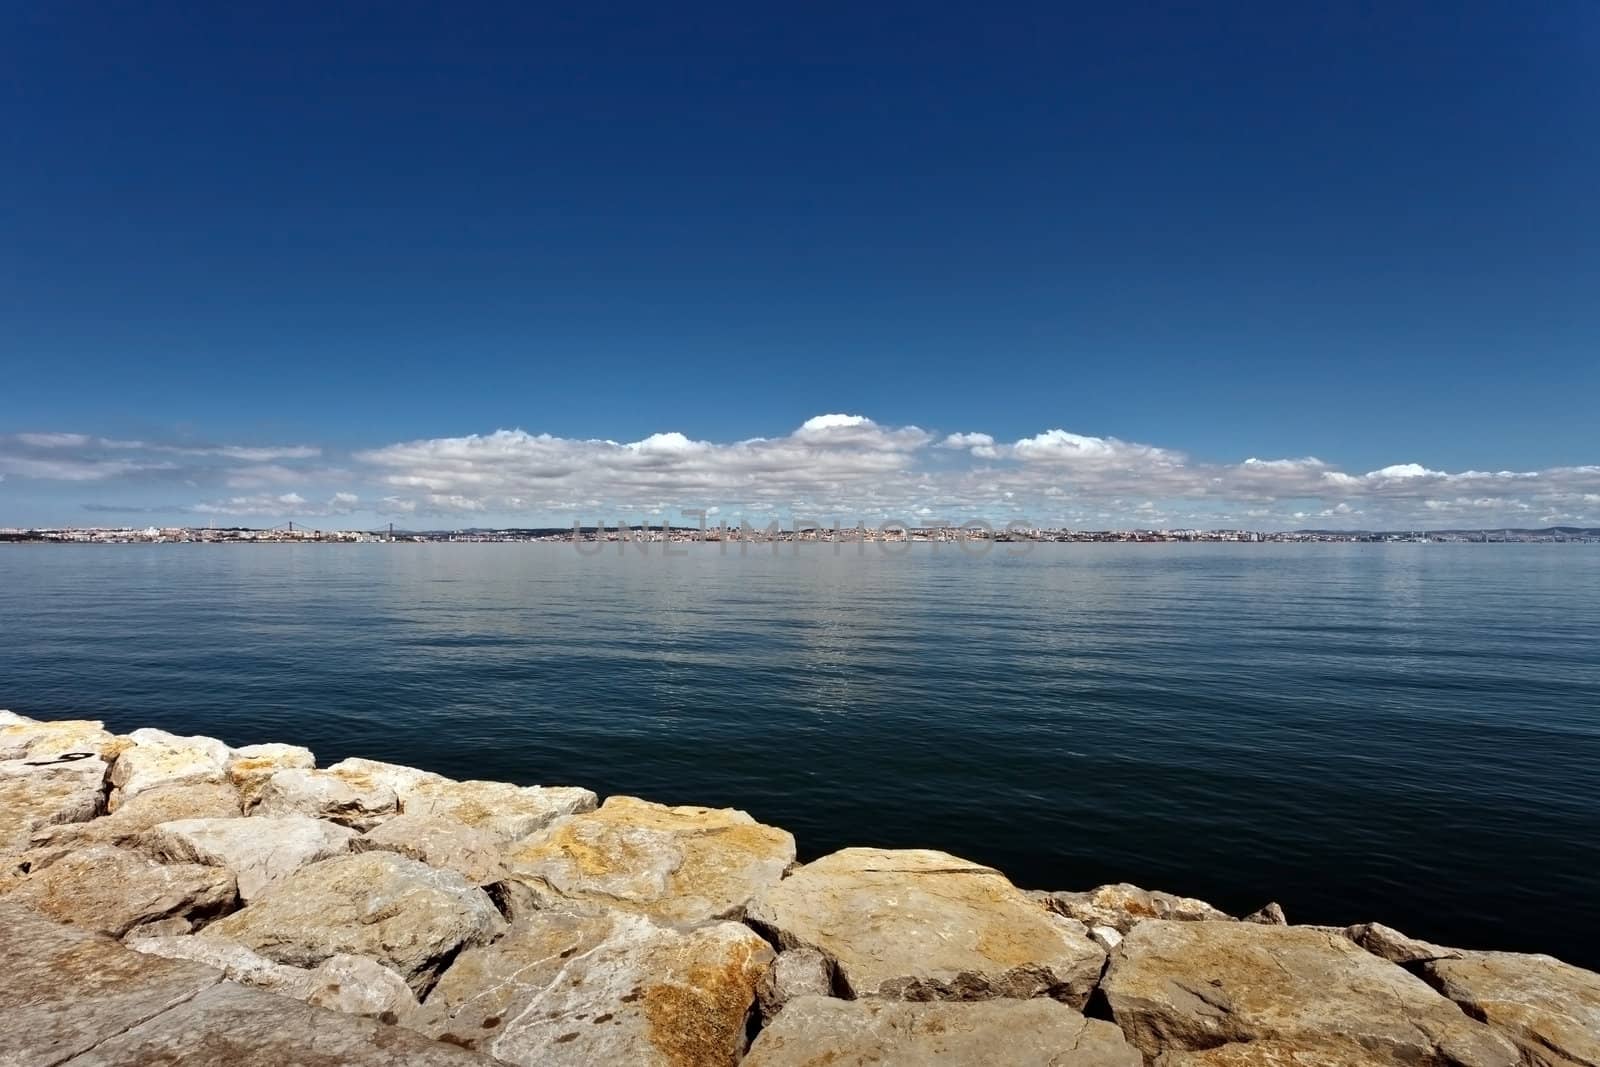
{"x": 816, "y": 1031}
{"x": 616, "y": 988}
{"x": 248, "y": 768}
{"x": 1549, "y": 1008}
{"x": 372, "y": 774}
{"x": 1276, "y": 1054}
{"x": 439, "y": 842}
{"x": 64, "y": 990}
{"x": 325, "y": 795}
{"x": 393, "y": 909}
{"x": 678, "y": 864}
{"x": 156, "y": 758}
{"x": 204, "y": 800}
{"x": 258, "y": 851}
{"x": 1392, "y": 945}
{"x": 1268, "y": 915}
{"x": 353, "y": 985}
{"x": 800, "y": 972}
{"x": 1191, "y": 986}
{"x": 34, "y": 797}
{"x": 173, "y": 927}
{"x": 111, "y": 890}
{"x": 1122, "y": 906}
{"x": 917, "y": 924}
{"x": 508, "y": 811}
{"x": 27, "y": 739}
{"x": 233, "y": 1026}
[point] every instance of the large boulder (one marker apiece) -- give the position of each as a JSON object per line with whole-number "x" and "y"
{"x": 1549, "y": 1008}
{"x": 201, "y": 800}
{"x": 235, "y": 1026}
{"x": 34, "y": 797}
{"x": 354, "y": 985}
{"x": 995, "y": 1033}
{"x": 155, "y": 758}
{"x": 63, "y": 990}
{"x": 439, "y": 841}
{"x": 259, "y": 851}
{"x": 111, "y": 890}
{"x": 249, "y": 767}
{"x": 402, "y": 913}
{"x": 26, "y": 739}
{"x": 508, "y": 811}
{"x": 678, "y": 864}
{"x": 325, "y": 795}
{"x": 1121, "y": 906}
{"x": 579, "y": 988}
{"x": 1392, "y": 945}
{"x": 1191, "y": 986}
{"x": 922, "y": 925}
{"x": 375, "y": 774}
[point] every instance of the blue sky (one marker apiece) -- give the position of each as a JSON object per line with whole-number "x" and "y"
{"x": 309, "y": 259}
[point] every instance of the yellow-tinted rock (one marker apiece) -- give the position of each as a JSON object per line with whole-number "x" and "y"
{"x": 1549, "y": 1008}
{"x": 567, "y": 988}
{"x": 679, "y": 864}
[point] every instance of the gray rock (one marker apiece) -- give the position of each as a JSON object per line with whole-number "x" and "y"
{"x": 922, "y": 925}
{"x": 800, "y": 972}
{"x": 326, "y": 795}
{"x": 155, "y": 758}
{"x": 1276, "y": 1054}
{"x": 1270, "y": 914}
{"x": 173, "y": 927}
{"x": 677, "y": 864}
{"x": 564, "y": 988}
{"x": 392, "y": 909}
{"x": 1107, "y": 937}
{"x": 35, "y": 797}
{"x": 1549, "y": 1008}
{"x": 995, "y": 1033}
{"x": 259, "y": 851}
{"x": 235, "y": 1026}
{"x": 1122, "y": 906}
{"x": 353, "y": 985}
{"x": 112, "y": 890}
{"x": 139, "y": 813}
{"x": 371, "y": 774}
{"x": 1191, "y": 986}
{"x": 440, "y": 842}
{"x": 1392, "y": 945}
{"x": 64, "y": 990}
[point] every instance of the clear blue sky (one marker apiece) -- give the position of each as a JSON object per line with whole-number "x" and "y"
{"x": 1363, "y": 232}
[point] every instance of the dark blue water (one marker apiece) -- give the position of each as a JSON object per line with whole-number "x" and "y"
{"x": 1408, "y": 733}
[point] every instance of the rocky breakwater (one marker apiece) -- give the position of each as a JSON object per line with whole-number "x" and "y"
{"x": 168, "y": 899}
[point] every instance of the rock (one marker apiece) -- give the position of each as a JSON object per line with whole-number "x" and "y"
{"x": 370, "y": 774}
{"x": 353, "y": 985}
{"x": 1392, "y": 945}
{"x": 326, "y": 795}
{"x": 395, "y": 910}
{"x": 27, "y": 739}
{"x": 1106, "y": 937}
{"x": 583, "y": 988}
{"x": 258, "y": 851}
{"x": 34, "y": 797}
{"x": 11, "y": 718}
{"x": 923, "y": 925}
{"x": 995, "y": 1033}
{"x": 241, "y": 1027}
{"x": 800, "y": 972}
{"x": 112, "y": 890}
{"x": 205, "y": 800}
{"x": 173, "y": 927}
{"x": 1550, "y": 1009}
{"x": 1121, "y": 906}
{"x": 678, "y": 864}
{"x": 156, "y": 758}
{"x": 65, "y": 990}
{"x": 1268, "y": 915}
{"x": 508, "y": 811}
{"x": 1191, "y": 986}
{"x": 1275, "y": 1054}
{"x": 439, "y": 842}
{"x": 248, "y": 768}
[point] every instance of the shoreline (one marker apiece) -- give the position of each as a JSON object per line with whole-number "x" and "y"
{"x": 466, "y": 920}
